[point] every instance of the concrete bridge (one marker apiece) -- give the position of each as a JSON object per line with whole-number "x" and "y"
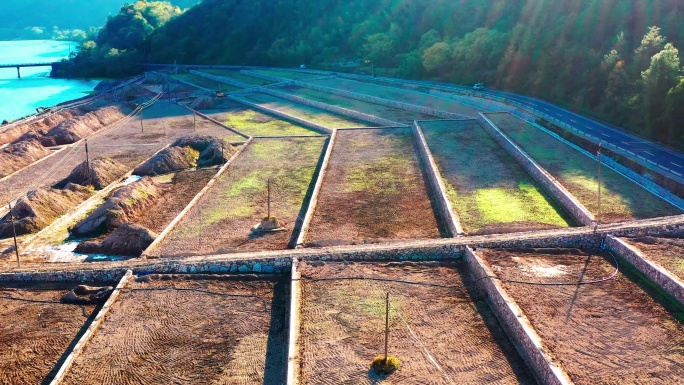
{"x": 18, "y": 66}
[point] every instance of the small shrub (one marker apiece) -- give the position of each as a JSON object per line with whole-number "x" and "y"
{"x": 383, "y": 366}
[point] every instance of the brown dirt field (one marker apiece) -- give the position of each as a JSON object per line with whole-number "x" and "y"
{"x": 343, "y": 322}
{"x": 164, "y": 122}
{"x": 222, "y": 220}
{"x": 667, "y": 252}
{"x": 373, "y": 191}
{"x": 36, "y": 330}
{"x": 613, "y": 332}
{"x": 21, "y": 154}
{"x": 190, "y": 332}
{"x": 11, "y": 134}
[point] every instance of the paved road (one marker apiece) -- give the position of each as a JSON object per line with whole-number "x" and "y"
{"x": 649, "y": 151}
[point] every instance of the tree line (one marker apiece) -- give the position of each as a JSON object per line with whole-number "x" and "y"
{"x": 616, "y": 60}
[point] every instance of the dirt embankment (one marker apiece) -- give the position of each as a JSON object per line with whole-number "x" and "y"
{"x": 187, "y": 152}
{"x": 99, "y": 173}
{"x": 17, "y": 131}
{"x": 126, "y": 202}
{"x": 128, "y": 240}
{"x": 19, "y": 155}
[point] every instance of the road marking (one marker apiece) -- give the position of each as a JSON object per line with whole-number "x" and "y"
{"x": 604, "y": 134}
{"x": 574, "y": 121}
{"x": 648, "y": 153}
{"x": 675, "y": 164}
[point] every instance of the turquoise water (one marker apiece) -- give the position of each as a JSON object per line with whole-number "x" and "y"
{"x": 20, "y": 97}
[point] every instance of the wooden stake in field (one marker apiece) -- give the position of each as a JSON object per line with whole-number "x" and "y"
{"x": 14, "y": 233}
{"x": 598, "y": 215}
{"x": 269, "y": 200}
{"x": 387, "y": 305}
{"x": 88, "y": 163}
{"x": 142, "y": 129}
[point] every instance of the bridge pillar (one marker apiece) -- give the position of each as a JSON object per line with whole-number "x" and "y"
{"x": 18, "y": 72}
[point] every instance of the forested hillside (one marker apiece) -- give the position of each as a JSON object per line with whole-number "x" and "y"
{"x": 600, "y": 56}
{"x": 63, "y": 19}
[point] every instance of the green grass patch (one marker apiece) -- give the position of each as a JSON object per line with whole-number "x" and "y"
{"x": 205, "y": 83}
{"x": 621, "y": 199}
{"x": 486, "y": 187}
{"x": 254, "y": 123}
{"x": 237, "y": 76}
{"x": 314, "y": 115}
{"x": 288, "y": 74}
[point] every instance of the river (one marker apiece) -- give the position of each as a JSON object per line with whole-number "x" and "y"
{"x": 21, "y": 97}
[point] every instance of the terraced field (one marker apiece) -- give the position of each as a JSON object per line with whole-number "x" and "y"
{"x": 395, "y": 114}
{"x": 255, "y": 123}
{"x": 618, "y": 331}
{"x": 441, "y": 330}
{"x": 314, "y": 115}
{"x": 398, "y": 94}
{"x": 621, "y": 199}
{"x": 222, "y": 221}
{"x": 489, "y": 190}
{"x": 373, "y": 190}
{"x": 190, "y": 331}
{"x": 288, "y": 74}
{"x": 237, "y": 76}
{"x": 666, "y": 252}
{"x": 204, "y": 82}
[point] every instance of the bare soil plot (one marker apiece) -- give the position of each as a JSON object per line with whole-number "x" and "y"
{"x": 237, "y": 76}
{"x": 621, "y": 199}
{"x": 398, "y": 94}
{"x": 667, "y": 252}
{"x": 373, "y": 191}
{"x": 129, "y": 144}
{"x": 433, "y": 310}
{"x": 205, "y": 83}
{"x": 314, "y": 115}
{"x": 395, "y": 114}
{"x": 288, "y": 74}
{"x": 187, "y": 331}
{"x": 221, "y": 222}
{"x": 255, "y": 123}
{"x": 489, "y": 190}
{"x": 620, "y": 331}
{"x": 36, "y": 330}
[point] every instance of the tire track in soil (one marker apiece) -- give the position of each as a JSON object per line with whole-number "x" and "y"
{"x": 158, "y": 334}
{"x": 343, "y": 323}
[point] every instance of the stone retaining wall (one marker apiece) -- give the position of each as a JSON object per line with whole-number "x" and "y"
{"x": 656, "y": 273}
{"x": 313, "y": 202}
{"x": 264, "y": 76}
{"x": 548, "y": 182}
{"x": 444, "y": 207}
{"x": 221, "y": 79}
{"x": 480, "y": 104}
{"x": 546, "y": 369}
{"x": 332, "y": 108}
{"x": 382, "y": 101}
{"x": 282, "y": 115}
{"x": 293, "y": 357}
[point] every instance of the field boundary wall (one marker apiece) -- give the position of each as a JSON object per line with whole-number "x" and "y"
{"x": 293, "y": 356}
{"x": 209, "y": 118}
{"x": 221, "y": 79}
{"x": 480, "y": 104}
{"x": 90, "y": 332}
{"x": 517, "y": 326}
{"x": 193, "y": 202}
{"x": 331, "y": 108}
{"x": 546, "y": 180}
{"x": 437, "y": 185}
{"x": 381, "y": 101}
{"x": 660, "y": 276}
{"x": 313, "y": 202}
{"x": 282, "y": 115}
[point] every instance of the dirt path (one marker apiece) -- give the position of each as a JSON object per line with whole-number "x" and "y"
{"x": 343, "y": 320}
{"x": 190, "y": 332}
{"x": 35, "y": 330}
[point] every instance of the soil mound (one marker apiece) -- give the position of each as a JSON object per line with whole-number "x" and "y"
{"x": 45, "y": 123}
{"x": 77, "y": 128}
{"x": 19, "y": 155}
{"x": 84, "y": 295}
{"x": 169, "y": 160}
{"x": 41, "y": 207}
{"x": 125, "y": 203}
{"x": 187, "y": 152}
{"x": 128, "y": 240}
{"x": 203, "y": 103}
{"x": 99, "y": 173}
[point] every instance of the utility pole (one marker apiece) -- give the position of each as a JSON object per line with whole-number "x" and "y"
{"x": 269, "y": 198}
{"x": 223, "y": 158}
{"x": 88, "y": 162}
{"x": 194, "y": 121}
{"x": 598, "y": 216}
{"x": 142, "y": 129}
{"x": 14, "y": 233}
{"x": 387, "y": 305}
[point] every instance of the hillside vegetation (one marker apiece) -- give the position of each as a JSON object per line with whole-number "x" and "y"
{"x": 615, "y": 59}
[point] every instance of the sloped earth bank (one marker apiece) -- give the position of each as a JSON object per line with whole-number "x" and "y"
{"x": 621, "y": 331}
{"x": 9, "y": 135}
{"x": 490, "y": 192}
{"x": 36, "y": 329}
{"x": 222, "y": 220}
{"x": 373, "y": 191}
{"x": 441, "y": 329}
{"x": 181, "y": 330}
{"x": 187, "y": 152}
{"x": 129, "y": 144}
{"x": 18, "y": 155}
{"x": 667, "y": 252}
